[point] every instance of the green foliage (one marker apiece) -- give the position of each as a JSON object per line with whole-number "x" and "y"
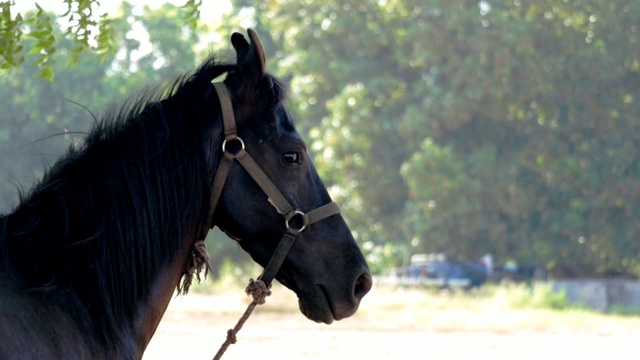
{"x": 10, "y": 35}
{"x": 192, "y": 14}
{"x": 538, "y": 296}
{"x": 42, "y": 32}
{"x": 382, "y": 257}
{"x": 87, "y": 29}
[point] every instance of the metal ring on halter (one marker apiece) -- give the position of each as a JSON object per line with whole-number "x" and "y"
{"x": 224, "y": 144}
{"x": 305, "y": 221}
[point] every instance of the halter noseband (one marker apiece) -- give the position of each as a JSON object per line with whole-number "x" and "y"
{"x": 275, "y": 197}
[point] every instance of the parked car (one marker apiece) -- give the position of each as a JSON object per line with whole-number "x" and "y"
{"x": 442, "y": 271}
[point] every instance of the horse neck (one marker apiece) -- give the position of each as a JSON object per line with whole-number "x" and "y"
{"x": 106, "y": 233}
{"x": 150, "y": 312}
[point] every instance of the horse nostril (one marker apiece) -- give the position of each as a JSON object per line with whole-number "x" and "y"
{"x": 362, "y": 285}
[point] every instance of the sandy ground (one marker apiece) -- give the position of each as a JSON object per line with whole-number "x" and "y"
{"x": 388, "y": 326}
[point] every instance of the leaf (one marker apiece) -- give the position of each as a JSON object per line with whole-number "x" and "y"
{"x": 47, "y": 73}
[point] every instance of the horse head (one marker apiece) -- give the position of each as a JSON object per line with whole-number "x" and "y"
{"x": 324, "y": 266}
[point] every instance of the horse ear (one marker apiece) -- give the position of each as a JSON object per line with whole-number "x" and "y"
{"x": 250, "y": 55}
{"x": 241, "y": 46}
{"x": 258, "y": 50}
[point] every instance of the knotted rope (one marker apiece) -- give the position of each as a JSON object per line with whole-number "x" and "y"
{"x": 259, "y": 291}
{"x": 198, "y": 261}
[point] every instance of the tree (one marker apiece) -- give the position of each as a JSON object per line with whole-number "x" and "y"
{"x": 86, "y": 28}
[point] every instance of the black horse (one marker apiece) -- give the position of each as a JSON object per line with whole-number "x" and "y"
{"x": 91, "y": 256}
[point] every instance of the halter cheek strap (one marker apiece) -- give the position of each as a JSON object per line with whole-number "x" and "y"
{"x": 292, "y": 217}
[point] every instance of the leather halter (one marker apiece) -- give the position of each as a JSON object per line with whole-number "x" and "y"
{"x": 275, "y": 197}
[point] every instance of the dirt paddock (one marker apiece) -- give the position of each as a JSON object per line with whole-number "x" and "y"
{"x": 389, "y": 325}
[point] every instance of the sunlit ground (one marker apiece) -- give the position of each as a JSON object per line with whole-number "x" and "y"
{"x": 393, "y": 323}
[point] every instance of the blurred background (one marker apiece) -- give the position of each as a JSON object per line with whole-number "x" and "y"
{"x": 447, "y": 130}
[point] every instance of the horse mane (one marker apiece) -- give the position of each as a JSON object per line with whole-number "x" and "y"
{"x": 93, "y": 233}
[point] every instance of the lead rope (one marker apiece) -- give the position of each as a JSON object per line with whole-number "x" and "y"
{"x": 261, "y": 288}
{"x": 259, "y": 291}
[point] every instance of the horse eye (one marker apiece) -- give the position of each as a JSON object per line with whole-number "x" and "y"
{"x": 291, "y": 157}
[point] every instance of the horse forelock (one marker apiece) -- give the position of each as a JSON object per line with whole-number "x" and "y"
{"x": 109, "y": 214}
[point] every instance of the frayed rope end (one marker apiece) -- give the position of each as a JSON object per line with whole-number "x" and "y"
{"x": 198, "y": 261}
